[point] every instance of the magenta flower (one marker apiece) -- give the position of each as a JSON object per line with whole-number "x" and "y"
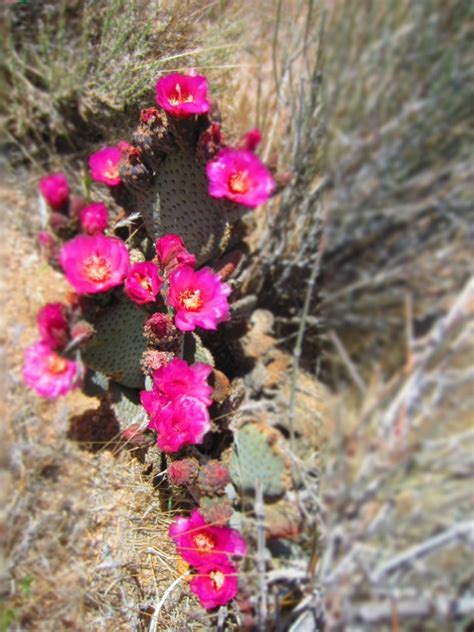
{"x": 153, "y": 402}
{"x": 240, "y": 176}
{"x": 53, "y": 325}
{"x": 251, "y": 140}
{"x": 183, "y": 95}
{"x": 200, "y": 298}
{"x": 94, "y": 218}
{"x": 172, "y": 252}
{"x": 143, "y": 283}
{"x": 215, "y": 584}
{"x": 55, "y": 189}
{"x": 179, "y": 378}
{"x": 45, "y": 240}
{"x": 94, "y": 264}
{"x": 48, "y": 373}
{"x": 182, "y": 421}
{"x": 199, "y": 543}
{"x": 104, "y": 165}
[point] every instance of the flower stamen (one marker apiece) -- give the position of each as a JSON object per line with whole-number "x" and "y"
{"x": 239, "y": 182}
{"x": 204, "y": 543}
{"x": 191, "y": 300}
{"x": 217, "y": 578}
{"x": 97, "y": 269}
{"x": 180, "y": 97}
{"x": 56, "y": 364}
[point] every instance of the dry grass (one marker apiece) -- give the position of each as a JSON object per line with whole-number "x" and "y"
{"x": 76, "y": 74}
{"x": 399, "y": 134}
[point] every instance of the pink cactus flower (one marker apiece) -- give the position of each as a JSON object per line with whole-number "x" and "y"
{"x": 173, "y": 380}
{"x": 251, "y": 140}
{"x": 94, "y": 264}
{"x": 183, "y": 95}
{"x": 45, "y": 240}
{"x": 200, "y": 298}
{"x": 143, "y": 283}
{"x": 172, "y": 253}
{"x": 215, "y": 584}
{"x": 48, "y": 373}
{"x": 53, "y": 325}
{"x": 55, "y": 189}
{"x": 179, "y": 378}
{"x": 153, "y": 403}
{"x": 199, "y": 543}
{"x": 104, "y": 165}
{"x": 183, "y": 421}
{"x": 94, "y": 218}
{"x": 240, "y": 176}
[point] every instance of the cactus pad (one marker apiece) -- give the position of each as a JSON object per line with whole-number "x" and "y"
{"x": 125, "y": 402}
{"x": 178, "y": 203}
{"x": 257, "y": 456}
{"x": 118, "y": 345}
{"x": 195, "y": 351}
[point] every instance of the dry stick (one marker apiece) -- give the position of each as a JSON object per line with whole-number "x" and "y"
{"x": 425, "y": 548}
{"x": 346, "y": 359}
{"x": 159, "y": 605}
{"x": 436, "y": 606}
{"x": 412, "y": 388}
{"x": 260, "y": 520}
{"x": 299, "y": 344}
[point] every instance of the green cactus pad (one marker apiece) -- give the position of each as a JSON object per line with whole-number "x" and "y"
{"x": 257, "y": 456}
{"x": 195, "y": 351}
{"x": 125, "y": 402}
{"x": 179, "y": 203}
{"x": 117, "y": 347}
{"x": 95, "y": 384}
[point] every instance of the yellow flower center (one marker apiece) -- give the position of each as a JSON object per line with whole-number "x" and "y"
{"x": 217, "y": 578}
{"x": 239, "y": 182}
{"x": 145, "y": 283}
{"x": 204, "y": 543}
{"x": 180, "y": 97}
{"x": 112, "y": 170}
{"x": 97, "y": 269}
{"x": 191, "y": 300}
{"x": 56, "y": 364}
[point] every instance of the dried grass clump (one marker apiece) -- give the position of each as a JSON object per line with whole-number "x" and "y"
{"x": 76, "y": 73}
{"x": 397, "y": 490}
{"x": 398, "y": 95}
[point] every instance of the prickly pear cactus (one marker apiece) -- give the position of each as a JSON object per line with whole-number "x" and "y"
{"x": 118, "y": 344}
{"x": 178, "y": 202}
{"x": 155, "y": 333}
{"x": 126, "y": 406}
{"x": 258, "y": 457}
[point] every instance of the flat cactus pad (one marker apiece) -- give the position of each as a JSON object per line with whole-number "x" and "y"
{"x": 118, "y": 345}
{"x": 258, "y": 457}
{"x": 178, "y": 202}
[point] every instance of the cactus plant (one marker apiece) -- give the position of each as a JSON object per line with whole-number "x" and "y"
{"x": 216, "y": 511}
{"x": 183, "y": 472}
{"x": 213, "y": 477}
{"x": 145, "y": 295}
{"x": 258, "y": 458}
